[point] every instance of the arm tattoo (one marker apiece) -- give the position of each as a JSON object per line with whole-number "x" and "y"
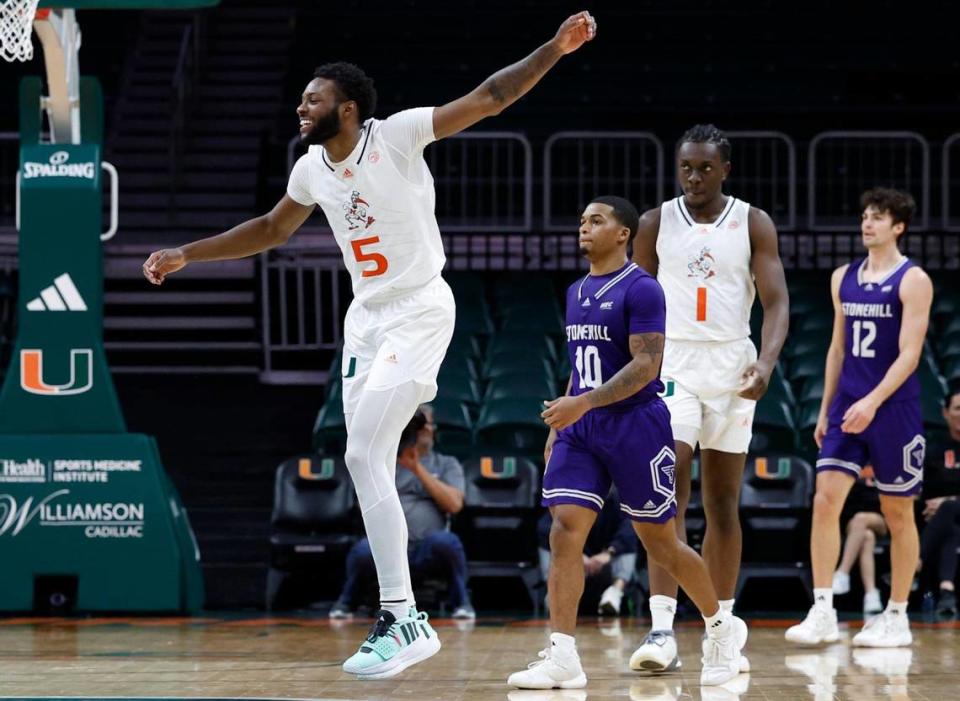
{"x": 647, "y": 352}
{"x": 509, "y": 84}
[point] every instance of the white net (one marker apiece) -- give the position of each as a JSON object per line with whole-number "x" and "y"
{"x": 16, "y": 28}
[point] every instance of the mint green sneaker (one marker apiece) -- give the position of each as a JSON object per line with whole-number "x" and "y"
{"x": 393, "y": 645}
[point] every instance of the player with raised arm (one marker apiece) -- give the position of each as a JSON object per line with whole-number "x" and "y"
{"x": 613, "y": 427}
{"x": 870, "y": 414}
{"x": 712, "y": 253}
{"x": 371, "y": 181}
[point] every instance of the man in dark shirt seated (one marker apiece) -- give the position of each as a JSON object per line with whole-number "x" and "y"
{"x": 609, "y": 555}
{"x": 431, "y": 487}
{"x": 940, "y": 537}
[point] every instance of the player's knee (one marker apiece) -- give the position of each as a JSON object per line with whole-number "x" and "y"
{"x": 723, "y": 511}
{"x": 566, "y": 534}
{"x": 826, "y": 505}
{"x": 660, "y": 541}
{"x": 897, "y": 517}
{"x": 859, "y": 522}
{"x": 869, "y": 539}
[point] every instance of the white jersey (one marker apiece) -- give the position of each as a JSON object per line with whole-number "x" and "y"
{"x": 379, "y": 201}
{"x": 705, "y": 273}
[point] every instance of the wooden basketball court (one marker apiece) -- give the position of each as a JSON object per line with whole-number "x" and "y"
{"x": 300, "y": 658}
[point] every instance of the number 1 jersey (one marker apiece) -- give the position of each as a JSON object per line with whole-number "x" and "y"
{"x": 602, "y": 312}
{"x": 379, "y": 202}
{"x": 872, "y": 312}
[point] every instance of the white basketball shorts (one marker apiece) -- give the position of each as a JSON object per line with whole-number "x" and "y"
{"x": 390, "y": 343}
{"x": 701, "y": 381}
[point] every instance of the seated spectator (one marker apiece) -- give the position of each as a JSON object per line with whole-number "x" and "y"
{"x": 940, "y": 537}
{"x": 609, "y": 555}
{"x": 431, "y": 487}
{"x": 864, "y": 526}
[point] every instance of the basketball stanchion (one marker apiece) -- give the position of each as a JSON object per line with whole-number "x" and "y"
{"x": 89, "y": 520}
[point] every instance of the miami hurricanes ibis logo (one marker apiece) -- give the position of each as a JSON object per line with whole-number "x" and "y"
{"x": 32, "y": 375}
{"x": 702, "y": 266}
{"x": 355, "y": 212}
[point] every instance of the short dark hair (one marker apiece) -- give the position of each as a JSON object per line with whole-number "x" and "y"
{"x": 952, "y": 391}
{"x": 707, "y": 134}
{"x": 623, "y": 210}
{"x": 898, "y": 203}
{"x": 409, "y": 436}
{"x": 353, "y": 84}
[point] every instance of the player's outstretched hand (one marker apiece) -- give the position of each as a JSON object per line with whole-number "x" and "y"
{"x": 162, "y": 263}
{"x": 753, "y": 383}
{"x": 858, "y": 416}
{"x": 564, "y": 411}
{"x": 575, "y": 32}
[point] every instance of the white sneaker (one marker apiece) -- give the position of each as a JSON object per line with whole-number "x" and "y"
{"x": 886, "y": 630}
{"x": 841, "y": 583}
{"x": 610, "y": 601}
{"x": 657, "y": 653}
{"x": 871, "y": 602}
{"x": 550, "y": 672}
{"x": 722, "y": 654}
{"x": 820, "y": 626}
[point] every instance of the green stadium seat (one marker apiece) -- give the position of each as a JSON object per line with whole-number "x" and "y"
{"x": 454, "y": 426}
{"x": 458, "y": 364}
{"x": 535, "y": 361}
{"x": 521, "y": 320}
{"x": 804, "y": 366}
{"x": 330, "y": 428}
{"x": 778, "y": 389}
{"x": 811, "y": 388}
{"x": 563, "y": 368}
{"x": 806, "y": 344}
{"x": 466, "y": 284}
{"x": 512, "y": 425}
{"x": 946, "y": 306}
{"x": 948, "y": 346}
{"x": 951, "y": 327}
{"x": 816, "y": 323}
{"x": 516, "y": 286}
{"x": 517, "y": 385}
{"x": 951, "y": 369}
{"x": 773, "y": 427}
{"x": 520, "y": 344}
{"x": 473, "y": 319}
{"x": 464, "y": 344}
{"x": 459, "y": 388}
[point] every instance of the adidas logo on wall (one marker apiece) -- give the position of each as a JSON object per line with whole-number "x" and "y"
{"x": 61, "y": 296}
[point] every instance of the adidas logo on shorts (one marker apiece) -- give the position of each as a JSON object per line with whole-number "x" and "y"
{"x": 649, "y": 505}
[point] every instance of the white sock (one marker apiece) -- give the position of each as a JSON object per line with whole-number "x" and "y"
{"x": 662, "y": 610}
{"x": 564, "y": 645}
{"x": 399, "y": 609}
{"x": 726, "y": 605}
{"x": 898, "y": 608}
{"x": 823, "y": 598}
{"x": 718, "y": 623}
{"x": 371, "y": 456}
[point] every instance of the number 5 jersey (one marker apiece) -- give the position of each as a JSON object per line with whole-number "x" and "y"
{"x": 379, "y": 202}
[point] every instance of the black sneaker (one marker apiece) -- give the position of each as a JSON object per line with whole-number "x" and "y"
{"x": 947, "y": 605}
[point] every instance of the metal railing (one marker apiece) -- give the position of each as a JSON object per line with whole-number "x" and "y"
{"x": 182, "y": 88}
{"x": 842, "y": 164}
{"x": 765, "y": 174}
{"x": 483, "y": 180}
{"x": 579, "y": 165}
{"x": 950, "y": 188}
{"x": 300, "y": 302}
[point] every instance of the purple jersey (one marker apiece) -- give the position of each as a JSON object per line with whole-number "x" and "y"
{"x": 872, "y": 315}
{"x": 602, "y": 312}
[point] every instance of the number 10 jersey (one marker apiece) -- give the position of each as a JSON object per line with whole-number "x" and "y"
{"x": 872, "y": 313}
{"x": 602, "y": 313}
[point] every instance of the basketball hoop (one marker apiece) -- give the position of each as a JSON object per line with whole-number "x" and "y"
{"x": 16, "y": 28}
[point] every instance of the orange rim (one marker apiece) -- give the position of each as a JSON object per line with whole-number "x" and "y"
{"x": 42, "y": 13}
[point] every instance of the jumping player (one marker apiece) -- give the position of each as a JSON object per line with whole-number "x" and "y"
{"x": 711, "y": 252}
{"x": 372, "y": 183}
{"x": 612, "y": 426}
{"x": 870, "y": 414}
